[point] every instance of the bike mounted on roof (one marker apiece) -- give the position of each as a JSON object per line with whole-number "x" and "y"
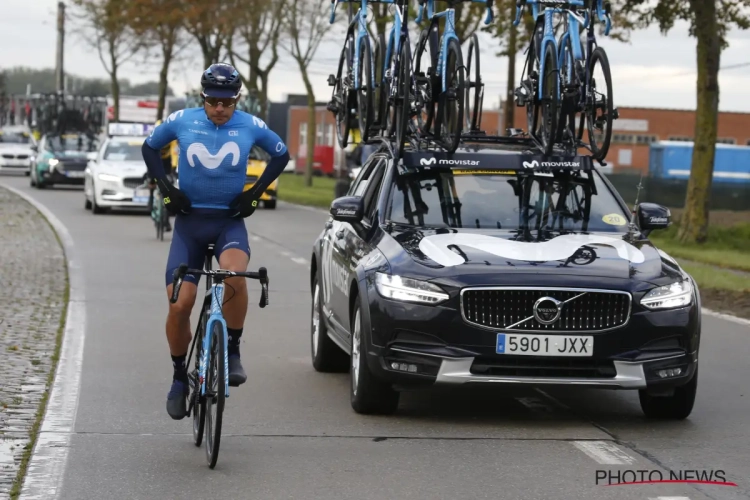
{"x": 434, "y": 97}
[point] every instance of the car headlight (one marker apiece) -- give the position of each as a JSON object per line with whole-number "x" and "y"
{"x": 108, "y": 177}
{"x": 679, "y": 294}
{"x": 409, "y": 290}
{"x": 52, "y": 163}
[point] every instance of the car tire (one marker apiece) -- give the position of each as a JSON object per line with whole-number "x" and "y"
{"x": 369, "y": 395}
{"x": 327, "y": 357}
{"x": 95, "y": 209}
{"x": 678, "y": 406}
{"x": 270, "y": 204}
{"x": 87, "y": 203}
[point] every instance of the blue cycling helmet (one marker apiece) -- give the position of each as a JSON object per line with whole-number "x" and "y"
{"x": 221, "y": 80}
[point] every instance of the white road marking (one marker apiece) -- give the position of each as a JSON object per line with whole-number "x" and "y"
{"x": 604, "y": 452}
{"x": 47, "y": 465}
{"x": 286, "y": 253}
{"x": 669, "y": 498}
{"x": 728, "y": 317}
{"x": 300, "y": 260}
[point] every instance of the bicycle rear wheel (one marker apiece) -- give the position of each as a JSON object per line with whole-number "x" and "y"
{"x": 550, "y": 99}
{"x": 366, "y": 91}
{"x": 215, "y": 394}
{"x": 599, "y": 126}
{"x": 474, "y": 93}
{"x": 402, "y": 106}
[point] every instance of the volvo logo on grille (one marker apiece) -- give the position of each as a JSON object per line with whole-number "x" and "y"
{"x": 547, "y": 310}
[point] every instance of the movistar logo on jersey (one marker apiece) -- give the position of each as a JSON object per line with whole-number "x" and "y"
{"x": 210, "y": 161}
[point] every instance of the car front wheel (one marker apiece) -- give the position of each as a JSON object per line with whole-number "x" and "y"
{"x": 368, "y": 394}
{"x": 678, "y": 406}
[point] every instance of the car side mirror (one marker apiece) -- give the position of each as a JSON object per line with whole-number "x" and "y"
{"x": 653, "y": 217}
{"x": 348, "y": 209}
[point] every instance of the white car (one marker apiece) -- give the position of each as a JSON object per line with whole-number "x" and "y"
{"x": 116, "y": 178}
{"x": 16, "y": 153}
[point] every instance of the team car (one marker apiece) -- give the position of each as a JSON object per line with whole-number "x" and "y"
{"x": 16, "y": 148}
{"x": 256, "y": 164}
{"x": 116, "y": 177}
{"x": 495, "y": 265}
{"x": 62, "y": 158}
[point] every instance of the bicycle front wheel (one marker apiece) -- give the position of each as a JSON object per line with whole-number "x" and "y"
{"x": 215, "y": 394}
{"x": 550, "y": 99}
{"x": 451, "y": 106}
{"x": 599, "y": 108}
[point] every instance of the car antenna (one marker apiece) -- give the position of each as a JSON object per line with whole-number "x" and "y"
{"x": 631, "y": 226}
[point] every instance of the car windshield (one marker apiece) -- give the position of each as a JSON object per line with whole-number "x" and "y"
{"x": 562, "y": 202}
{"x": 78, "y": 143}
{"x": 14, "y": 137}
{"x": 124, "y": 151}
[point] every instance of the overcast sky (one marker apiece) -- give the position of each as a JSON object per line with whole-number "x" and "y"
{"x": 652, "y": 71}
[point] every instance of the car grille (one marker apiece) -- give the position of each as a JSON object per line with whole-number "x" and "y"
{"x": 15, "y": 157}
{"x": 73, "y": 166}
{"x": 590, "y": 310}
{"x": 132, "y": 182}
{"x": 527, "y": 366}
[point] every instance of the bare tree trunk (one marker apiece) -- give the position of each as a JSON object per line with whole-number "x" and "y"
{"x": 115, "y": 83}
{"x": 311, "y": 129}
{"x": 694, "y": 222}
{"x": 167, "y": 50}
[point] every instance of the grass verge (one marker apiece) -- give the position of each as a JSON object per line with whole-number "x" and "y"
{"x": 15, "y": 490}
{"x": 727, "y": 246}
{"x": 292, "y": 189}
{"x": 722, "y": 290}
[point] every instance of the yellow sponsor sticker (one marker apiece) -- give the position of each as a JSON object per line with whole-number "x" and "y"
{"x": 483, "y": 172}
{"x": 614, "y": 220}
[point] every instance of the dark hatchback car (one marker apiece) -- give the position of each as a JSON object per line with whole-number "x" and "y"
{"x": 62, "y": 159}
{"x": 494, "y": 265}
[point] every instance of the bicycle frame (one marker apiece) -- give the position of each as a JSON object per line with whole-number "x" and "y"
{"x": 360, "y": 22}
{"x": 450, "y": 31}
{"x": 393, "y": 38}
{"x": 217, "y": 298}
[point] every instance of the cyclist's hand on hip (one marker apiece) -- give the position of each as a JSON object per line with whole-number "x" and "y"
{"x": 244, "y": 204}
{"x": 175, "y": 201}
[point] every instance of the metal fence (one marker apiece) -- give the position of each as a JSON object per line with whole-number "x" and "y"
{"x": 671, "y": 192}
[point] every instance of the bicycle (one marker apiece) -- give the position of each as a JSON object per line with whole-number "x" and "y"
{"x": 395, "y": 89}
{"x": 445, "y": 74}
{"x": 577, "y": 74}
{"x": 358, "y": 87}
{"x": 212, "y": 338}
{"x": 159, "y": 213}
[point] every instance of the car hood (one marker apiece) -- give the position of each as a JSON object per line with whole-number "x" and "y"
{"x": 468, "y": 253}
{"x": 122, "y": 168}
{"x": 13, "y": 148}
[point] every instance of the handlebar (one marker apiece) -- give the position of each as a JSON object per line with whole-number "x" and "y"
{"x": 182, "y": 270}
{"x": 489, "y": 16}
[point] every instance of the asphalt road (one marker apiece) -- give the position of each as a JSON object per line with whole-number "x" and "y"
{"x": 289, "y": 432}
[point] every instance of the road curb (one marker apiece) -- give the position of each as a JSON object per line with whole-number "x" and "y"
{"x": 725, "y": 316}
{"x": 46, "y": 467}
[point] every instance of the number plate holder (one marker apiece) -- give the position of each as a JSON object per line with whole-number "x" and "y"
{"x": 524, "y": 344}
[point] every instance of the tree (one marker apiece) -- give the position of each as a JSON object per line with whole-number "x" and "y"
{"x": 106, "y": 26}
{"x": 161, "y": 22}
{"x": 259, "y": 29}
{"x": 211, "y": 24}
{"x": 306, "y": 24}
{"x": 710, "y": 20}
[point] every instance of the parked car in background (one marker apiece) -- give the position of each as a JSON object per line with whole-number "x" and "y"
{"x": 16, "y": 148}
{"x": 62, "y": 159}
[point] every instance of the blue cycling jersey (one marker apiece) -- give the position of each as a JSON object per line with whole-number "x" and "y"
{"x": 213, "y": 158}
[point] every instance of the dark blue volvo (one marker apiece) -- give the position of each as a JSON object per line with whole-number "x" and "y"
{"x": 495, "y": 265}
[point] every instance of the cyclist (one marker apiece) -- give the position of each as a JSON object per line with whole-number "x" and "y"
{"x": 214, "y": 141}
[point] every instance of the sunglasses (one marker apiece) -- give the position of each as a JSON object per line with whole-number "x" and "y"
{"x": 227, "y": 102}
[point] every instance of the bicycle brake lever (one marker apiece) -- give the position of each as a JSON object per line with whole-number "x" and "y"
{"x": 264, "y": 299}
{"x": 177, "y": 281}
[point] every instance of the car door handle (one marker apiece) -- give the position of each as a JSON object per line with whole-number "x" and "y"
{"x": 340, "y": 233}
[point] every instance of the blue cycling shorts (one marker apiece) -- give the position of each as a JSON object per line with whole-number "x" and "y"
{"x": 193, "y": 233}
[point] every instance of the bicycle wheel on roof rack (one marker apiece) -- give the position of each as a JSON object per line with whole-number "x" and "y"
{"x": 401, "y": 107}
{"x": 599, "y": 107}
{"x": 427, "y": 85}
{"x": 451, "y": 102}
{"x": 474, "y": 94}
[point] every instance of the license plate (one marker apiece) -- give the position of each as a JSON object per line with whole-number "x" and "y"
{"x": 140, "y": 196}
{"x": 74, "y": 173}
{"x": 544, "y": 345}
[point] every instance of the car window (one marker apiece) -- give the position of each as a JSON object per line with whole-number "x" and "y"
{"x": 258, "y": 154}
{"x": 15, "y": 137}
{"x": 71, "y": 143}
{"x": 124, "y": 151}
{"x": 510, "y": 200}
{"x": 360, "y": 183}
{"x": 373, "y": 188}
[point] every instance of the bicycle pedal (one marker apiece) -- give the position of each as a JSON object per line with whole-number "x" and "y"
{"x": 615, "y": 114}
{"x": 332, "y": 80}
